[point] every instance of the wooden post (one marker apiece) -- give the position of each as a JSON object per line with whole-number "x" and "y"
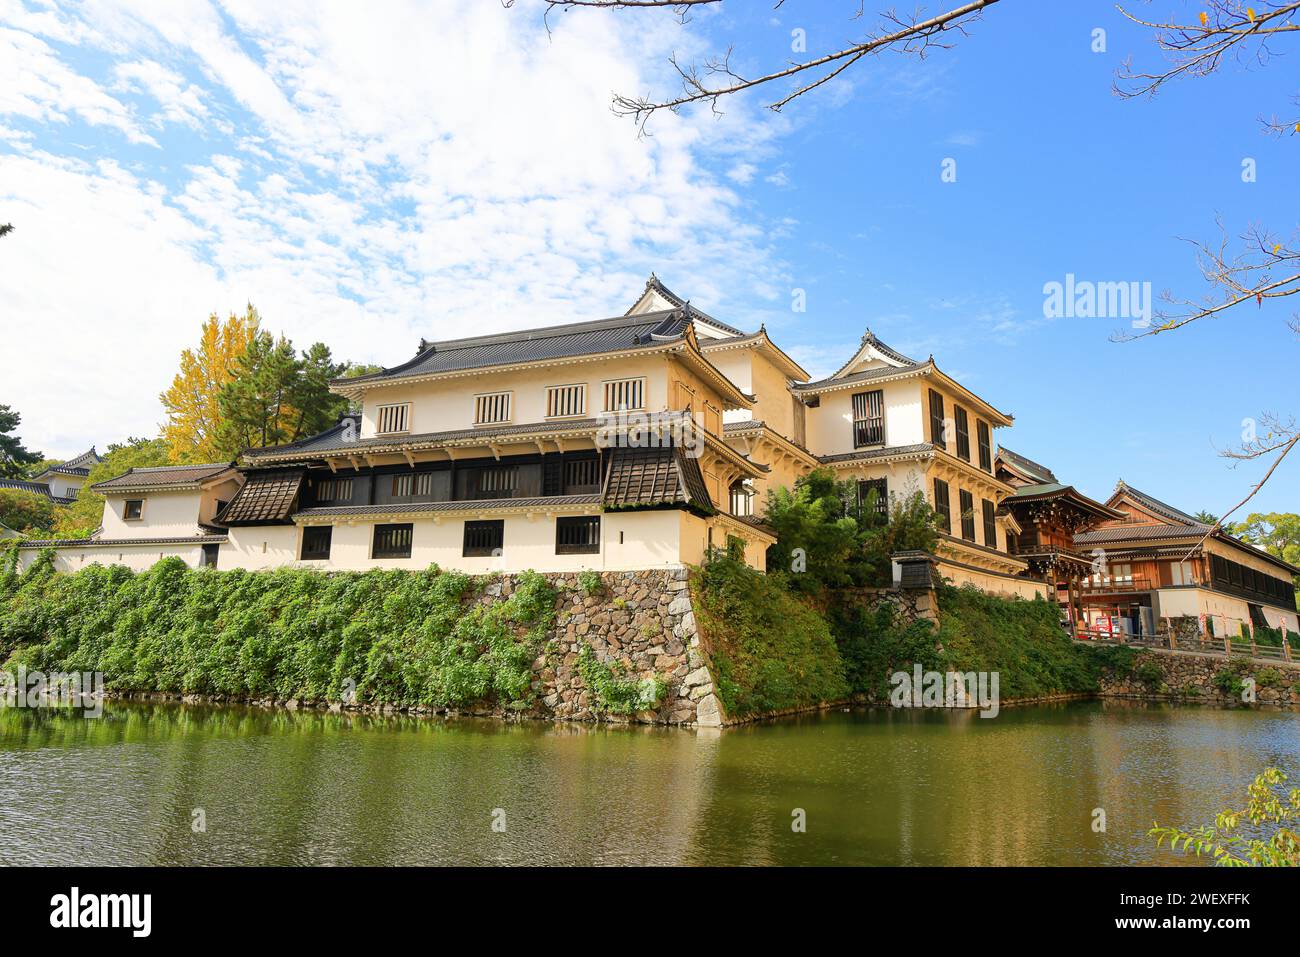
{"x": 1227, "y": 646}
{"x": 1286, "y": 648}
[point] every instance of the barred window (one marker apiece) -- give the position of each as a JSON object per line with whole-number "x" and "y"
{"x": 403, "y": 485}
{"x": 869, "y": 418}
{"x": 990, "y": 524}
{"x": 496, "y": 482}
{"x": 577, "y": 535}
{"x": 880, "y": 487}
{"x": 392, "y": 541}
{"x": 484, "y": 539}
{"x": 625, "y": 395}
{"x": 316, "y": 542}
{"x": 334, "y": 490}
{"x": 581, "y": 474}
{"x": 393, "y": 418}
{"x": 491, "y": 408}
{"x": 563, "y": 401}
{"x": 967, "y": 504}
{"x": 941, "y": 505}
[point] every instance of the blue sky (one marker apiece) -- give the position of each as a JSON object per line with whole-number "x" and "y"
{"x": 440, "y": 169}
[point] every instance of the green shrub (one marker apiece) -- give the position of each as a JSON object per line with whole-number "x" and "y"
{"x": 613, "y": 691}
{"x": 590, "y": 583}
{"x": 388, "y": 636}
{"x": 1150, "y": 674}
{"x": 770, "y": 650}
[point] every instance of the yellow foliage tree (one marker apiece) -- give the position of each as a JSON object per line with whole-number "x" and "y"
{"x": 193, "y": 430}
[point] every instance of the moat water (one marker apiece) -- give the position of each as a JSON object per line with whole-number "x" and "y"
{"x": 197, "y": 785}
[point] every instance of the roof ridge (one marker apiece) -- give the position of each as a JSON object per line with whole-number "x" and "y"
{"x": 1157, "y": 505}
{"x": 560, "y": 329}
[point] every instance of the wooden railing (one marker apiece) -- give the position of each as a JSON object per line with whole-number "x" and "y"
{"x": 1205, "y": 644}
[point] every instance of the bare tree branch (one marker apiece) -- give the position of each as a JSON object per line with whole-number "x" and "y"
{"x": 1225, "y": 27}
{"x": 715, "y": 78}
{"x": 1251, "y": 274}
{"x": 1285, "y": 447}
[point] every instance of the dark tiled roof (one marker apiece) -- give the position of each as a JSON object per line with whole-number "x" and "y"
{"x": 1028, "y": 466}
{"x": 530, "y": 345}
{"x": 1161, "y": 508}
{"x": 176, "y": 540}
{"x": 165, "y": 476}
{"x": 468, "y": 505}
{"x": 265, "y": 497}
{"x": 37, "y": 488}
{"x": 654, "y": 476}
{"x": 866, "y": 455}
{"x": 78, "y": 465}
{"x": 1139, "y": 533}
{"x": 332, "y": 440}
{"x": 654, "y": 283}
{"x": 865, "y": 376}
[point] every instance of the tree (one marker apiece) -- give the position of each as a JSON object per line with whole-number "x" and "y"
{"x": 1266, "y": 267}
{"x": 276, "y": 397}
{"x": 193, "y": 428}
{"x": 15, "y": 459}
{"x": 26, "y": 512}
{"x": 1267, "y": 808}
{"x": 912, "y": 35}
{"x": 826, "y": 539}
{"x": 1207, "y": 518}
{"x": 85, "y": 514}
{"x": 6, "y": 229}
{"x": 1278, "y": 533}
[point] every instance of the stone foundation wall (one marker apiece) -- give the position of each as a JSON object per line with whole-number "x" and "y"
{"x": 641, "y": 622}
{"x": 1190, "y": 676}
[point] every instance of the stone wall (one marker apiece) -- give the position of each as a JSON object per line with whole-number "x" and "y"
{"x": 639, "y": 622}
{"x": 1192, "y": 676}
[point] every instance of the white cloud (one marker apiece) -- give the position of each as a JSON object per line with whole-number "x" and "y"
{"x": 364, "y": 180}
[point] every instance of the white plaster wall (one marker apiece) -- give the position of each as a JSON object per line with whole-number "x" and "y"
{"x": 136, "y": 557}
{"x": 830, "y": 426}
{"x": 163, "y": 514}
{"x": 649, "y": 540}
{"x": 448, "y": 405}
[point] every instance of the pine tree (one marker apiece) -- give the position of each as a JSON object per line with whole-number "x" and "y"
{"x": 15, "y": 459}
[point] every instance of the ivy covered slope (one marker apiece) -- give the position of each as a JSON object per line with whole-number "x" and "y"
{"x": 771, "y": 650}
{"x": 396, "y": 637}
{"x": 1022, "y": 641}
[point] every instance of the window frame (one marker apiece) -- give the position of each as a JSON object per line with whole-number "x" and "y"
{"x": 866, "y": 427}
{"x": 966, "y": 506}
{"x": 984, "y": 439}
{"x": 881, "y": 485}
{"x": 961, "y": 425}
{"x": 315, "y": 556}
{"x": 592, "y": 522}
{"x": 943, "y": 504}
{"x": 990, "y": 516}
{"x": 639, "y": 389}
{"x": 480, "y": 403}
{"x": 554, "y": 391}
{"x": 126, "y": 510}
{"x": 938, "y": 432}
{"x": 392, "y": 553}
{"x": 482, "y": 551}
{"x": 390, "y": 407}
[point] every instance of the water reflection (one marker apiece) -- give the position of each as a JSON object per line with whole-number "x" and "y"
{"x": 877, "y": 787}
